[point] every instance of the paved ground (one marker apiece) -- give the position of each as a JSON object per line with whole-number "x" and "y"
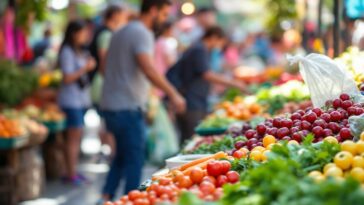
{"x": 57, "y": 193}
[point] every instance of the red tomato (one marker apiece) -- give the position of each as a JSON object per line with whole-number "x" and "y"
{"x": 210, "y": 179}
{"x": 133, "y": 195}
{"x": 196, "y": 175}
{"x": 207, "y": 187}
{"x": 124, "y": 199}
{"x": 214, "y": 168}
{"x": 221, "y": 180}
{"x": 238, "y": 154}
{"x": 154, "y": 187}
{"x": 233, "y": 176}
{"x": 164, "y": 197}
{"x": 209, "y": 198}
{"x": 225, "y": 166}
{"x": 141, "y": 202}
{"x": 218, "y": 193}
{"x": 109, "y": 203}
{"x": 165, "y": 181}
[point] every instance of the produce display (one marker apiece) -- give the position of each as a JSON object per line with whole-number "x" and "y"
{"x": 353, "y": 61}
{"x": 10, "y": 128}
{"x": 215, "y": 122}
{"x": 285, "y": 176}
{"x": 20, "y": 82}
{"x": 239, "y": 109}
{"x": 277, "y": 97}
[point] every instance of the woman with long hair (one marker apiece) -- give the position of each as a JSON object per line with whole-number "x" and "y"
{"x": 74, "y": 96}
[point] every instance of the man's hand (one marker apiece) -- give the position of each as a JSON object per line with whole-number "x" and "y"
{"x": 179, "y": 103}
{"x": 241, "y": 86}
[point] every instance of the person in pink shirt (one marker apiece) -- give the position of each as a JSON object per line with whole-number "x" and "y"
{"x": 165, "y": 50}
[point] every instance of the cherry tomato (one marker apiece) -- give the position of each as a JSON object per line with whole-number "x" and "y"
{"x": 124, "y": 199}
{"x": 177, "y": 175}
{"x": 233, "y": 176}
{"x": 164, "y": 197}
{"x": 133, "y": 195}
{"x": 141, "y": 202}
{"x": 214, "y": 168}
{"x": 238, "y": 154}
{"x": 221, "y": 180}
{"x": 218, "y": 193}
{"x": 153, "y": 187}
{"x": 143, "y": 194}
{"x": 210, "y": 179}
{"x": 197, "y": 175}
{"x": 185, "y": 182}
{"x": 209, "y": 198}
{"x": 109, "y": 203}
{"x": 165, "y": 181}
{"x": 225, "y": 166}
{"x": 207, "y": 187}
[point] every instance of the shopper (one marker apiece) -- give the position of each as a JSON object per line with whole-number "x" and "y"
{"x": 129, "y": 68}
{"x": 165, "y": 50}
{"x": 192, "y": 76}
{"x": 114, "y": 18}
{"x": 74, "y": 96}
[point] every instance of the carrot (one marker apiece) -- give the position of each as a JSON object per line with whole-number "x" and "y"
{"x": 218, "y": 155}
{"x": 202, "y": 165}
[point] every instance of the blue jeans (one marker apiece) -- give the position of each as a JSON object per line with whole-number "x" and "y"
{"x": 129, "y": 130}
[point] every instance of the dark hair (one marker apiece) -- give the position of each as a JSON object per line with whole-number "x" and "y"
{"x": 214, "y": 31}
{"x": 163, "y": 28}
{"x": 111, "y": 11}
{"x": 204, "y": 10}
{"x": 148, "y": 4}
{"x": 72, "y": 28}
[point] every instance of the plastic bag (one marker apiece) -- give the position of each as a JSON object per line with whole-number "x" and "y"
{"x": 356, "y": 125}
{"x": 162, "y": 137}
{"x": 325, "y": 79}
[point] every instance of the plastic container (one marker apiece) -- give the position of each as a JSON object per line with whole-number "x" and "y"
{"x": 210, "y": 131}
{"x": 13, "y": 142}
{"x": 180, "y": 160}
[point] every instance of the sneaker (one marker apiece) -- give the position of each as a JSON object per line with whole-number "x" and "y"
{"x": 73, "y": 181}
{"x": 83, "y": 178}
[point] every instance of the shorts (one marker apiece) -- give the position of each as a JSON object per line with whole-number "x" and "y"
{"x": 74, "y": 117}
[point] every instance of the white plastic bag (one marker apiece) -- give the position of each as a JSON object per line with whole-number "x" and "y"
{"x": 325, "y": 79}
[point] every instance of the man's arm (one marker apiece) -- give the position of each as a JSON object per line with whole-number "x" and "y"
{"x": 146, "y": 64}
{"x": 219, "y": 79}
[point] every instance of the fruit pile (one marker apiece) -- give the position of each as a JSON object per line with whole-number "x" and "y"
{"x": 10, "y": 128}
{"x": 322, "y": 123}
{"x": 239, "y": 109}
{"x": 348, "y": 162}
{"x": 203, "y": 177}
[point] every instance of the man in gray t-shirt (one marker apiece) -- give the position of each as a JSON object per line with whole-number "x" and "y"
{"x": 128, "y": 83}
{"x": 129, "y": 69}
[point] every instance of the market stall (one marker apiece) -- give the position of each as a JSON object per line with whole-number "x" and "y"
{"x": 274, "y": 146}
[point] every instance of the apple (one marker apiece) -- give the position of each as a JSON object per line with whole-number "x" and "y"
{"x": 336, "y": 103}
{"x": 326, "y": 117}
{"x": 261, "y": 129}
{"x": 335, "y": 116}
{"x": 305, "y": 125}
{"x": 318, "y": 131}
{"x": 318, "y": 111}
{"x": 282, "y": 132}
{"x": 344, "y": 97}
{"x": 286, "y": 123}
